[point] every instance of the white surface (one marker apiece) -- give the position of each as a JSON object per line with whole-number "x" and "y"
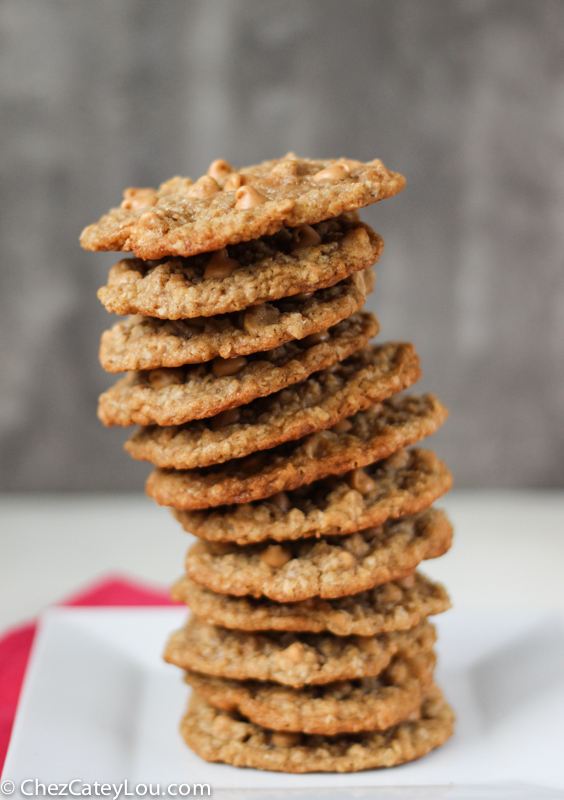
{"x": 98, "y": 704}
{"x": 53, "y": 545}
{"x": 508, "y": 548}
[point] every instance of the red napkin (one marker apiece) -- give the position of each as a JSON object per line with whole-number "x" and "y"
{"x": 15, "y": 646}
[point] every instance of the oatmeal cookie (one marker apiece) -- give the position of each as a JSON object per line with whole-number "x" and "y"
{"x": 174, "y": 396}
{"x": 393, "y": 606}
{"x": 248, "y": 274}
{"x": 320, "y": 402}
{"x": 365, "y": 704}
{"x": 326, "y": 568}
{"x": 223, "y": 736}
{"x": 149, "y": 343}
{"x": 404, "y": 483}
{"x": 291, "y": 659}
{"x": 228, "y": 206}
{"x": 375, "y": 434}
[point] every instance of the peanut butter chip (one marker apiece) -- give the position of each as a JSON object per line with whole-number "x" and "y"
{"x": 359, "y": 480}
{"x": 220, "y": 265}
{"x": 204, "y": 187}
{"x": 343, "y": 426}
{"x": 138, "y": 198}
{"x": 275, "y": 556}
{"x": 286, "y": 739}
{"x": 398, "y": 460}
{"x": 346, "y": 559}
{"x": 316, "y": 338}
{"x": 369, "y": 277}
{"x": 319, "y": 445}
{"x": 336, "y": 172}
{"x": 401, "y": 672}
{"x": 295, "y": 652}
{"x": 247, "y": 197}
{"x": 391, "y": 593}
{"x": 306, "y": 236}
{"x": 219, "y": 170}
{"x": 234, "y": 182}
{"x": 223, "y": 367}
{"x": 159, "y": 378}
{"x": 150, "y": 220}
{"x": 408, "y": 582}
{"x": 281, "y": 500}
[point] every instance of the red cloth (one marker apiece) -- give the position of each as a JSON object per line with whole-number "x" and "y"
{"x": 15, "y": 646}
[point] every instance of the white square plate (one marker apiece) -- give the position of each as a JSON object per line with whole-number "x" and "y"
{"x": 99, "y": 704}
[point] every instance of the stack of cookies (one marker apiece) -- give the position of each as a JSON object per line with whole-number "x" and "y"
{"x": 279, "y": 438}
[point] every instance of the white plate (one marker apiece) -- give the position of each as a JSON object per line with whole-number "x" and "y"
{"x": 99, "y": 704}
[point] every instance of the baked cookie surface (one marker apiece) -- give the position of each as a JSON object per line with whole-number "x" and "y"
{"x": 222, "y": 736}
{"x": 279, "y": 438}
{"x": 404, "y": 483}
{"x": 140, "y": 343}
{"x": 375, "y": 434}
{"x": 182, "y": 218}
{"x": 365, "y": 704}
{"x": 174, "y": 396}
{"x": 326, "y": 568}
{"x": 243, "y": 275}
{"x": 396, "y": 605}
{"x": 292, "y": 659}
{"x": 319, "y": 402}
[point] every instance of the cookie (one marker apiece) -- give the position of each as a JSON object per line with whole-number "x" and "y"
{"x": 375, "y": 434}
{"x": 225, "y": 206}
{"x": 149, "y": 343}
{"x": 321, "y": 401}
{"x": 248, "y": 274}
{"x": 223, "y": 736}
{"x": 404, "y": 483}
{"x": 396, "y": 605}
{"x": 174, "y": 396}
{"x": 289, "y": 658}
{"x": 326, "y": 568}
{"x": 345, "y": 707}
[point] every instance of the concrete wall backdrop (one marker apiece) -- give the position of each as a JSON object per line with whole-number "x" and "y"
{"x": 466, "y": 98}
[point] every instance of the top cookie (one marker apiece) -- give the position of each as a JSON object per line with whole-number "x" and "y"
{"x": 228, "y": 206}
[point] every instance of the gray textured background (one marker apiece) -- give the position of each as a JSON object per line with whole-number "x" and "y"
{"x": 465, "y": 98}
